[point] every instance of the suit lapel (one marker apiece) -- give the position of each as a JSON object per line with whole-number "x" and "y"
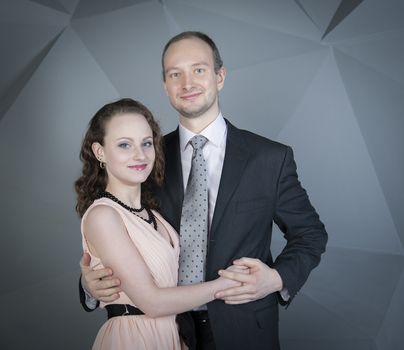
{"x": 174, "y": 187}
{"x": 235, "y": 160}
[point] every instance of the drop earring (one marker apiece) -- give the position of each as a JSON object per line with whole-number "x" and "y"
{"x": 102, "y": 164}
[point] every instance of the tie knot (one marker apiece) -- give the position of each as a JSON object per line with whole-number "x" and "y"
{"x": 198, "y": 141}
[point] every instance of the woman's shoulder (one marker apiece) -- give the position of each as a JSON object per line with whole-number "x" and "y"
{"x": 102, "y": 211}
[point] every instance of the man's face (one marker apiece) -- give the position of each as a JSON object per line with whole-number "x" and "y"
{"x": 191, "y": 83}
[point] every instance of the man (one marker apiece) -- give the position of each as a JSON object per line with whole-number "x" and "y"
{"x": 252, "y": 182}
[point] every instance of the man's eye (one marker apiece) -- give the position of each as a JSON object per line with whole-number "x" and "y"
{"x": 199, "y": 70}
{"x": 174, "y": 75}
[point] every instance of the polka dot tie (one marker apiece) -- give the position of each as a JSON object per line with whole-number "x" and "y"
{"x": 194, "y": 219}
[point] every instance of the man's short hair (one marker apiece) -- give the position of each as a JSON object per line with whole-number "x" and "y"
{"x": 217, "y": 60}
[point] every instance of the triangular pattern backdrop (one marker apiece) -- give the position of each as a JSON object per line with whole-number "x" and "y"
{"x": 326, "y": 77}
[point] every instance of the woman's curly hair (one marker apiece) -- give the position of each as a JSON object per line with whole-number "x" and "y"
{"x": 93, "y": 180}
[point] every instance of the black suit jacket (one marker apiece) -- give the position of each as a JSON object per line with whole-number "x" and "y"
{"x": 258, "y": 186}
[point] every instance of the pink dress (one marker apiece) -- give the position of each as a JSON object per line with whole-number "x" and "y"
{"x": 141, "y": 331}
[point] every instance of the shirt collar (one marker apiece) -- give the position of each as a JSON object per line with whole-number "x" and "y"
{"x": 215, "y": 132}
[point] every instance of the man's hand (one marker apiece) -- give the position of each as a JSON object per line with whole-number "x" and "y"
{"x": 261, "y": 281}
{"x": 101, "y": 284}
{"x": 228, "y": 283}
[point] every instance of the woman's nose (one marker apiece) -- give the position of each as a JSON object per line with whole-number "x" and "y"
{"x": 138, "y": 153}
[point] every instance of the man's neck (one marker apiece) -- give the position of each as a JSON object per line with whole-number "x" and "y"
{"x": 198, "y": 124}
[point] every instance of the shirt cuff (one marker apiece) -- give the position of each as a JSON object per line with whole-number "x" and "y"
{"x": 90, "y": 301}
{"x": 284, "y": 294}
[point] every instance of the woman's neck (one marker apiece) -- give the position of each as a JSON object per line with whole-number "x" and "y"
{"x": 131, "y": 196}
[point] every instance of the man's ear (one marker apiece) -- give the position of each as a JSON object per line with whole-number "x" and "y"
{"x": 165, "y": 88}
{"x": 220, "y": 77}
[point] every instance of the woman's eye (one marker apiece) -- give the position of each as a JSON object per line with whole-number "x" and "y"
{"x": 148, "y": 144}
{"x": 124, "y": 145}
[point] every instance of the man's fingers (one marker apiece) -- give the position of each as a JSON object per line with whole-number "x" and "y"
{"x": 85, "y": 260}
{"x": 239, "y": 297}
{"x": 108, "y": 299}
{"x": 108, "y": 293}
{"x": 101, "y": 274}
{"x": 107, "y": 283}
{"x": 239, "y": 269}
{"x": 235, "y": 276}
{"x": 249, "y": 262}
{"x": 237, "y": 302}
{"x": 110, "y": 278}
{"x": 106, "y": 290}
{"x": 231, "y": 292}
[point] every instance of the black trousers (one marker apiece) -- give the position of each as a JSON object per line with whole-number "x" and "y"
{"x": 196, "y": 331}
{"x": 203, "y": 331}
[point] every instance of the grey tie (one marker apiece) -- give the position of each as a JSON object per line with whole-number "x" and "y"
{"x": 194, "y": 219}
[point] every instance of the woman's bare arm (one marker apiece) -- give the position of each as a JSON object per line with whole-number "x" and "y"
{"x": 108, "y": 239}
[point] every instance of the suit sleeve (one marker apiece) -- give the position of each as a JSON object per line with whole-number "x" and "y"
{"x": 304, "y": 232}
{"x": 82, "y": 294}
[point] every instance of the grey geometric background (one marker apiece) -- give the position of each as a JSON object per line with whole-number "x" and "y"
{"x": 324, "y": 76}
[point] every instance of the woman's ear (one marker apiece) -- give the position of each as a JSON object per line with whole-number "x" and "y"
{"x": 98, "y": 151}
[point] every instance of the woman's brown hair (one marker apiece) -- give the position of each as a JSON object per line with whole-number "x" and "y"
{"x": 93, "y": 180}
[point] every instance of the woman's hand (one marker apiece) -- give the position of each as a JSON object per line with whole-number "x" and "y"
{"x": 229, "y": 283}
{"x": 257, "y": 284}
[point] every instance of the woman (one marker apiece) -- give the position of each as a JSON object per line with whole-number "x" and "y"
{"x": 122, "y": 159}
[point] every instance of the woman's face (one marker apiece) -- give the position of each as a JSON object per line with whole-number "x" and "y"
{"x": 128, "y": 150}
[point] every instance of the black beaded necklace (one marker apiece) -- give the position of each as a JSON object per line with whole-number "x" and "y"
{"x": 151, "y": 220}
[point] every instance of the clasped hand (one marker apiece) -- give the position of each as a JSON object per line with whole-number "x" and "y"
{"x": 256, "y": 281}
{"x": 248, "y": 279}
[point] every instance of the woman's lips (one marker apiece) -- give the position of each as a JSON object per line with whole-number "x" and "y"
{"x": 139, "y": 167}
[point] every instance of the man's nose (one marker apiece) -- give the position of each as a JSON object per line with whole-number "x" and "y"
{"x": 187, "y": 81}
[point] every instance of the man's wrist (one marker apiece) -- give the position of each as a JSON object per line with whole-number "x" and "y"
{"x": 90, "y": 301}
{"x": 278, "y": 280}
{"x": 284, "y": 293}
